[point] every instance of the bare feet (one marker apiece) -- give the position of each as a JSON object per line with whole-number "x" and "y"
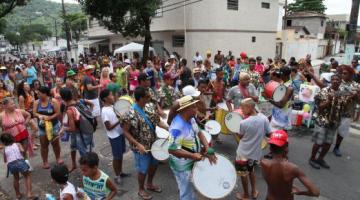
{"x": 46, "y": 166}
{"x": 242, "y": 196}
{"x": 144, "y": 195}
{"x": 19, "y": 196}
{"x": 153, "y": 188}
{"x": 255, "y": 194}
{"x": 60, "y": 162}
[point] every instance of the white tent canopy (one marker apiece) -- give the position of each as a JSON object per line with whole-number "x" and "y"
{"x": 130, "y": 48}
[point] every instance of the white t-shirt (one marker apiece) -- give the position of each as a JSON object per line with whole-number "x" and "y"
{"x": 108, "y": 115}
{"x": 69, "y": 189}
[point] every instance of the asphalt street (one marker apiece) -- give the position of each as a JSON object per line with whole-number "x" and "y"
{"x": 341, "y": 182}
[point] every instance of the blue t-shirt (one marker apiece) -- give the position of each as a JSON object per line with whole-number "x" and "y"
{"x": 31, "y": 75}
{"x": 150, "y": 73}
{"x": 358, "y": 68}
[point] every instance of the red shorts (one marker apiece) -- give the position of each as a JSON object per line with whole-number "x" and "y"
{"x": 22, "y": 136}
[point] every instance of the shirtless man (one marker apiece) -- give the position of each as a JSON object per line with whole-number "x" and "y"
{"x": 279, "y": 173}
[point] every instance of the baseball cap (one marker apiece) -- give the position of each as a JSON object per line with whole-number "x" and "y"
{"x": 279, "y": 138}
{"x": 172, "y": 57}
{"x": 190, "y": 91}
{"x": 70, "y": 73}
{"x": 243, "y": 55}
{"x": 127, "y": 61}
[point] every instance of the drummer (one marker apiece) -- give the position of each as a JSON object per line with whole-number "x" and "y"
{"x": 248, "y": 154}
{"x": 245, "y": 89}
{"x": 185, "y": 148}
{"x": 139, "y": 128}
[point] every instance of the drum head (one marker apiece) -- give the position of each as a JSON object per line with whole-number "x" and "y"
{"x": 213, "y": 127}
{"x": 122, "y": 106}
{"x": 159, "y": 149}
{"x": 222, "y": 106}
{"x": 162, "y": 133}
{"x": 232, "y": 121}
{"x": 214, "y": 181}
{"x": 207, "y": 135}
{"x": 279, "y": 93}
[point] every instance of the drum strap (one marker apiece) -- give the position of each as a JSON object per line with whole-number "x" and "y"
{"x": 141, "y": 112}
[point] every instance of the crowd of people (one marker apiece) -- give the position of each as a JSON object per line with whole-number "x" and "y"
{"x": 47, "y": 100}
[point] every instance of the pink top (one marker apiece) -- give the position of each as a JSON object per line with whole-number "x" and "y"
{"x": 103, "y": 83}
{"x": 260, "y": 68}
{"x": 12, "y": 153}
{"x": 14, "y": 125}
{"x": 134, "y": 74}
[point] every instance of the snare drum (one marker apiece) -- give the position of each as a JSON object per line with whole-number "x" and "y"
{"x": 220, "y": 113}
{"x": 214, "y": 181}
{"x": 123, "y": 105}
{"x": 212, "y": 127}
{"x": 159, "y": 149}
{"x": 161, "y": 133}
{"x": 232, "y": 122}
{"x": 207, "y": 136}
{"x": 275, "y": 91}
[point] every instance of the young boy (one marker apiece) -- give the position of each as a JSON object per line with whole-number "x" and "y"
{"x": 114, "y": 132}
{"x": 248, "y": 154}
{"x": 218, "y": 88}
{"x": 97, "y": 184}
{"x": 279, "y": 173}
{"x": 167, "y": 93}
{"x": 60, "y": 175}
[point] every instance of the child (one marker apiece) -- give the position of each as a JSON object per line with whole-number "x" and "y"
{"x": 167, "y": 92}
{"x": 97, "y": 184}
{"x": 60, "y": 175}
{"x": 14, "y": 159}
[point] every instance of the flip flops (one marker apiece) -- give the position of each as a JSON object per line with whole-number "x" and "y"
{"x": 156, "y": 189}
{"x": 145, "y": 196}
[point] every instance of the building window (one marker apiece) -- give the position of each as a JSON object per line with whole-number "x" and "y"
{"x": 322, "y": 23}
{"x": 288, "y": 22}
{"x": 265, "y": 5}
{"x": 178, "y": 41}
{"x": 233, "y": 4}
{"x": 253, "y": 39}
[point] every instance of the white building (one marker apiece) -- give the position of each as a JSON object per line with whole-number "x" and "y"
{"x": 202, "y": 25}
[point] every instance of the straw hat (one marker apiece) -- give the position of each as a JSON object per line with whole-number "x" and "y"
{"x": 186, "y": 101}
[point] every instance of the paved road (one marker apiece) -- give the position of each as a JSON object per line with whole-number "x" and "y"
{"x": 338, "y": 183}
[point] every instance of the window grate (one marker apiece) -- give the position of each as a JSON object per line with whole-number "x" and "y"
{"x": 265, "y": 5}
{"x": 233, "y": 4}
{"x": 178, "y": 41}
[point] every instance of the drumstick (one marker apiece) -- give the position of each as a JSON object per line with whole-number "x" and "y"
{"x": 153, "y": 150}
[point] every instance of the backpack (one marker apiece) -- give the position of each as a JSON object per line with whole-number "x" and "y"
{"x": 87, "y": 123}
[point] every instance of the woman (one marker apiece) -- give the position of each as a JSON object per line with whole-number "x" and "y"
{"x": 104, "y": 78}
{"x": 3, "y": 91}
{"x": 35, "y": 86}
{"x": 13, "y": 121}
{"x": 26, "y": 102}
{"x": 133, "y": 78}
{"x": 55, "y": 92}
{"x": 47, "y": 109}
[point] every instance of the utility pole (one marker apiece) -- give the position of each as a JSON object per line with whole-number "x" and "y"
{"x": 285, "y": 15}
{"x": 350, "y": 45}
{"x": 66, "y": 25}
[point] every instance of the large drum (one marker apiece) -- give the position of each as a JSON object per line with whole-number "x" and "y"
{"x": 159, "y": 149}
{"x": 213, "y": 127}
{"x": 162, "y": 133}
{"x": 220, "y": 113}
{"x": 275, "y": 91}
{"x": 232, "y": 122}
{"x": 123, "y": 105}
{"x": 214, "y": 181}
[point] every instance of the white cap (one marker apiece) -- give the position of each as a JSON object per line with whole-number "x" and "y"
{"x": 172, "y": 57}
{"x": 190, "y": 91}
{"x": 127, "y": 61}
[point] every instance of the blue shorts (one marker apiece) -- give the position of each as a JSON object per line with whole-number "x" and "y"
{"x": 143, "y": 161}
{"x": 56, "y": 130}
{"x": 118, "y": 147}
{"x": 18, "y": 166}
{"x": 82, "y": 144}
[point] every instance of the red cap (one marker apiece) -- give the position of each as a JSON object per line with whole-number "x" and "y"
{"x": 243, "y": 55}
{"x": 279, "y": 138}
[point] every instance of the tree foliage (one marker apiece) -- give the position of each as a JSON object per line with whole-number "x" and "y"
{"x": 6, "y": 6}
{"x": 307, "y": 5}
{"x": 77, "y": 23}
{"x": 28, "y": 33}
{"x": 128, "y": 17}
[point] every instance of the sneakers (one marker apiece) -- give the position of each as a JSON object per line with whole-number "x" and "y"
{"x": 323, "y": 164}
{"x": 337, "y": 152}
{"x": 314, "y": 164}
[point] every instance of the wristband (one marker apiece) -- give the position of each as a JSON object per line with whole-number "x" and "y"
{"x": 210, "y": 151}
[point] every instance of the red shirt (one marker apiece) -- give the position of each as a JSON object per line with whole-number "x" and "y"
{"x": 60, "y": 70}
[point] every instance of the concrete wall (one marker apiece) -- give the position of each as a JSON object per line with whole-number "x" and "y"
{"x": 312, "y": 24}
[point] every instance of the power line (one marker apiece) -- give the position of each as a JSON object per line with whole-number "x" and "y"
{"x": 171, "y": 9}
{"x": 180, "y": 2}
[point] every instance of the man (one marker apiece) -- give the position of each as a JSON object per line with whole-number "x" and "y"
{"x": 236, "y": 72}
{"x": 244, "y": 90}
{"x": 259, "y": 67}
{"x": 122, "y": 74}
{"x": 329, "y": 102}
{"x": 30, "y": 73}
{"x": 60, "y": 69}
{"x": 255, "y": 77}
{"x": 151, "y": 72}
{"x": 184, "y": 146}
{"x": 248, "y": 154}
{"x": 71, "y": 84}
{"x": 218, "y": 88}
{"x": 91, "y": 88}
{"x": 139, "y": 128}
{"x": 197, "y": 57}
{"x": 280, "y": 174}
{"x": 185, "y": 74}
{"x": 197, "y": 74}
{"x": 114, "y": 133}
{"x": 167, "y": 94}
{"x": 351, "y": 92}
{"x": 218, "y": 58}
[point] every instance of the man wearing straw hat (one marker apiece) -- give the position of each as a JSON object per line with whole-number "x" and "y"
{"x": 91, "y": 88}
{"x": 185, "y": 146}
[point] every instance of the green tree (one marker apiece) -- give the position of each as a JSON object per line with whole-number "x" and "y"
{"x": 6, "y": 6}
{"x": 77, "y": 23}
{"x": 128, "y": 17}
{"x": 307, "y": 5}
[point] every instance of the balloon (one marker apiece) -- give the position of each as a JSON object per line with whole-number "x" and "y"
{"x": 306, "y": 116}
{"x": 306, "y": 108}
